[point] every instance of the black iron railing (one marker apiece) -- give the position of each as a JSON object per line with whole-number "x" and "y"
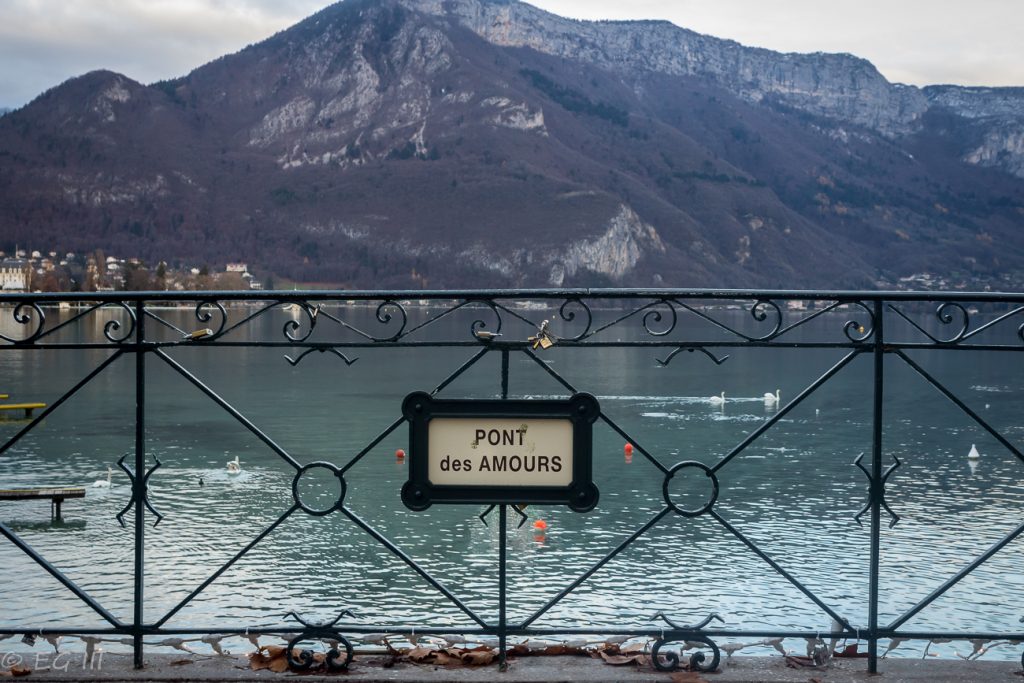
{"x": 661, "y": 323}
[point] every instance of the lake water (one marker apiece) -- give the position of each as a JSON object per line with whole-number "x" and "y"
{"x": 793, "y": 492}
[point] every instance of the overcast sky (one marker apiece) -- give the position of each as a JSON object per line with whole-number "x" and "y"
{"x": 45, "y": 42}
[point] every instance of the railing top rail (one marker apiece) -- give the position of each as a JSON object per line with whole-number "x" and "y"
{"x": 596, "y": 293}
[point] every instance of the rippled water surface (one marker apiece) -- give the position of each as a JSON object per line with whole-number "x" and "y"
{"x": 793, "y": 493}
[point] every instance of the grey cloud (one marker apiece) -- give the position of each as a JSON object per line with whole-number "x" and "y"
{"x": 45, "y": 43}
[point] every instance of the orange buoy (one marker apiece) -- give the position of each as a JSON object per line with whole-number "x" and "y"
{"x": 399, "y": 454}
{"x": 628, "y": 449}
{"x": 540, "y": 524}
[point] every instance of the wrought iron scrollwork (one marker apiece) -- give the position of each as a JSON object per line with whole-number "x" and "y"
{"x": 654, "y": 315}
{"x": 893, "y": 517}
{"x": 759, "y": 312}
{"x": 478, "y": 328}
{"x": 205, "y": 316}
{"x": 569, "y": 316}
{"x": 946, "y": 318}
{"x": 948, "y": 313}
{"x": 863, "y": 333}
{"x": 320, "y": 631}
{"x": 22, "y": 316}
{"x": 384, "y": 317}
{"x": 112, "y": 326}
{"x": 692, "y": 637}
{"x": 943, "y": 314}
{"x": 515, "y": 508}
{"x": 305, "y": 353}
{"x": 26, "y": 313}
{"x": 290, "y": 326}
{"x": 713, "y": 357}
{"x": 145, "y": 491}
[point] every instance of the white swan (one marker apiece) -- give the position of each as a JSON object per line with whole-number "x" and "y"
{"x": 974, "y": 454}
{"x": 234, "y": 467}
{"x": 771, "y": 399}
{"x": 104, "y": 483}
{"x": 717, "y": 400}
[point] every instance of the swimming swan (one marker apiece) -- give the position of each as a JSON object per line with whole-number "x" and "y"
{"x": 234, "y": 467}
{"x": 717, "y": 400}
{"x": 771, "y": 399}
{"x": 104, "y": 483}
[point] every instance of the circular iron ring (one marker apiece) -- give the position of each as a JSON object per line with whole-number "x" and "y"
{"x": 313, "y": 511}
{"x": 697, "y": 511}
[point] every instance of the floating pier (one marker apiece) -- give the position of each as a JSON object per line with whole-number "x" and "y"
{"x": 55, "y": 495}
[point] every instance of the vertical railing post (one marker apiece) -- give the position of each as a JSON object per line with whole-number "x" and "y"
{"x": 502, "y": 544}
{"x": 502, "y": 581}
{"x": 876, "y": 484}
{"x": 139, "y": 488}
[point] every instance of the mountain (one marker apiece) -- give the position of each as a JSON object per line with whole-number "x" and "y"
{"x": 450, "y": 143}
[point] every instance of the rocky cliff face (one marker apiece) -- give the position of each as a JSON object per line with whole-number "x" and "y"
{"x": 996, "y": 119}
{"x": 835, "y": 85}
{"x": 978, "y": 103}
{"x": 398, "y": 143}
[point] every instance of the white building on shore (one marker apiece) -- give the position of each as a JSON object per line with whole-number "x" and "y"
{"x": 15, "y": 275}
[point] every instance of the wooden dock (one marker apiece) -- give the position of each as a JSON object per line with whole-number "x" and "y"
{"x": 55, "y": 495}
{"x": 27, "y": 407}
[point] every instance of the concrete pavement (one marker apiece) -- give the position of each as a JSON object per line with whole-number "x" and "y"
{"x": 552, "y": 669}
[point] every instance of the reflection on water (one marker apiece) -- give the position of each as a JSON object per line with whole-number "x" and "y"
{"x": 22, "y": 526}
{"x": 793, "y": 492}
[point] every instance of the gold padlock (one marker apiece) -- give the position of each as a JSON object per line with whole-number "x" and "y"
{"x": 543, "y": 338}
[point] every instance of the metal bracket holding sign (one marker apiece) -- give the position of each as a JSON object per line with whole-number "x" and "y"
{"x": 489, "y": 451}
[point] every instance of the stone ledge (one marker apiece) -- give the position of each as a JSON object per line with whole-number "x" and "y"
{"x": 566, "y": 669}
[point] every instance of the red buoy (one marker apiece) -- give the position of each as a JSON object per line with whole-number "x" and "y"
{"x": 628, "y": 448}
{"x": 400, "y": 454}
{"x": 540, "y": 524}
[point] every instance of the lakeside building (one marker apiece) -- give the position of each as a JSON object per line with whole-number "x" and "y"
{"x": 15, "y": 275}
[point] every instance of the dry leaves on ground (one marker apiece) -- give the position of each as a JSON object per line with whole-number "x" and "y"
{"x": 273, "y": 657}
{"x": 623, "y": 660}
{"x": 16, "y": 672}
{"x": 451, "y": 656}
{"x": 850, "y": 651}
{"x": 635, "y": 654}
